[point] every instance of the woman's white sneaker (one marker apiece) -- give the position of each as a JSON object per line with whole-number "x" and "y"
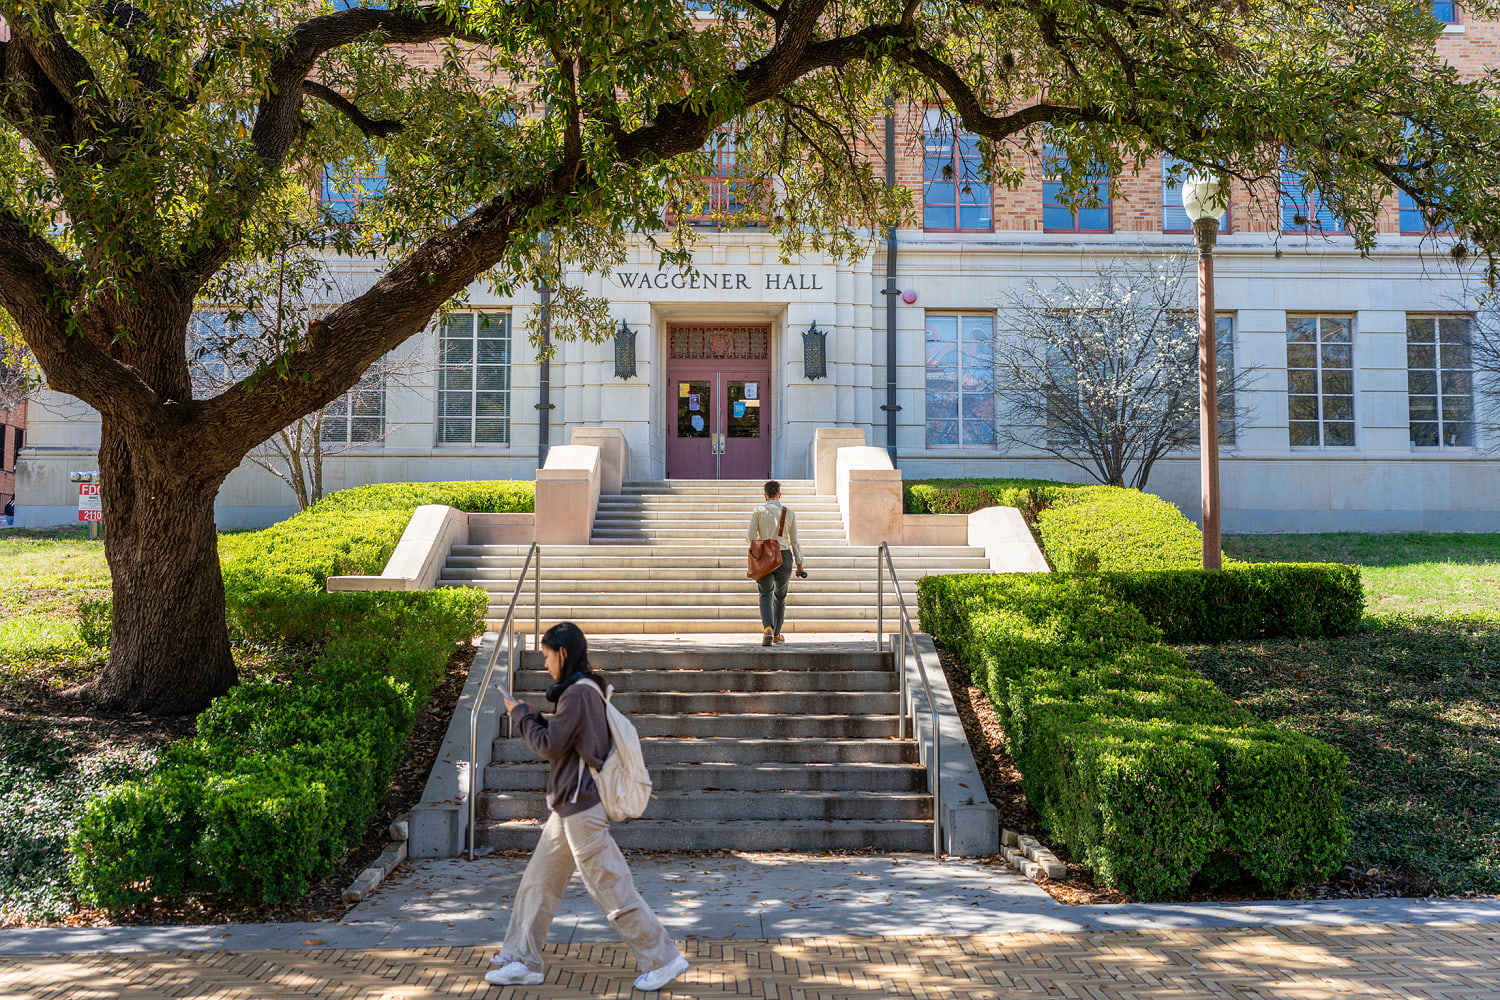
{"x": 650, "y": 982}
{"x": 514, "y": 974}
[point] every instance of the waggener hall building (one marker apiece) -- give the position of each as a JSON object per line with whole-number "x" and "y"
{"x": 1362, "y": 417}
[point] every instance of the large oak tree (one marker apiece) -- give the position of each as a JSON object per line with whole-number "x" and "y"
{"x": 146, "y": 145}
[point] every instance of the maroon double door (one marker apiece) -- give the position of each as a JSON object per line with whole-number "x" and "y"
{"x": 718, "y": 402}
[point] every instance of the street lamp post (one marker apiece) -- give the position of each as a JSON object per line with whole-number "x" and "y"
{"x": 1205, "y": 198}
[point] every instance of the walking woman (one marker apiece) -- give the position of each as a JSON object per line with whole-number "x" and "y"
{"x": 577, "y": 832}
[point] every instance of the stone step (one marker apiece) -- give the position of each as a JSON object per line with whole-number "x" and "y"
{"x": 659, "y": 625}
{"x": 663, "y": 751}
{"x": 728, "y": 835}
{"x": 729, "y": 547}
{"x": 707, "y": 602}
{"x": 755, "y": 725}
{"x": 575, "y": 581}
{"x": 789, "y": 487}
{"x": 723, "y": 568}
{"x": 683, "y": 681}
{"x": 700, "y": 777}
{"x": 785, "y": 702}
{"x": 610, "y": 658}
{"x": 697, "y": 806}
{"x": 637, "y": 535}
{"x": 829, "y": 533}
{"x": 731, "y": 618}
{"x": 706, "y": 521}
{"x": 708, "y": 511}
{"x": 743, "y": 600}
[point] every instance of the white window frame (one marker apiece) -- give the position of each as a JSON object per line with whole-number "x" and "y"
{"x": 1322, "y": 419}
{"x": 959, "y": 316}
{"x": 473, "y": 369}
{"x": 1439, "y": 395}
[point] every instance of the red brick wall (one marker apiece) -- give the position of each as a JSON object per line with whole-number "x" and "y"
{"x": 11, "y": 421}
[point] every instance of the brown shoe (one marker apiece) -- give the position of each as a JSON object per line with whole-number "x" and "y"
{"x": 766, "y": 637}
{"x": 778, "y": 637}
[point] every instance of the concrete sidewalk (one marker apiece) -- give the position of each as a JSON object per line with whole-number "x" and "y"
{"x": 729, "y": 896}
{"x": 840, "y": 927}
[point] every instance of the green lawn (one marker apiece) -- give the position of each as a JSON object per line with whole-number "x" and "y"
{"x": 44, "y": 575}
{"x": 1403, "y": 573}
{"x": 1412, "y": 697}
{"x": 51, "y": 763}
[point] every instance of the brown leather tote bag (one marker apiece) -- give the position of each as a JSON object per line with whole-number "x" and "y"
{"x": 765, "y": 554}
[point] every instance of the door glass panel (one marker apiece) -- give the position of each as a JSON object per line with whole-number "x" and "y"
{"x": 744, "y": 409}
{"x": 693, "y": 409}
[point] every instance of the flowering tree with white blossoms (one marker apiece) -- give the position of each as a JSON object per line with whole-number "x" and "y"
{"x": 1104, "y": 374}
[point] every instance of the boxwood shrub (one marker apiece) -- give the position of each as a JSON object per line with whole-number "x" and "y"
{"x": 1150, "y": 774}
{"x": 286, "y": 770}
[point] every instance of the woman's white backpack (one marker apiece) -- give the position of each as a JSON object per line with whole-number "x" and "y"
{"x": 623, "y": 782}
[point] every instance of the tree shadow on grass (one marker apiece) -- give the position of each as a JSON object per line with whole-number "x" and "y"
{"x": 1414, "y": 703}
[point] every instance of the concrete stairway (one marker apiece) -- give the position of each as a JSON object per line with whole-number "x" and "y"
{"x": 787, "y": 748}
{"x": 669, "y": 557}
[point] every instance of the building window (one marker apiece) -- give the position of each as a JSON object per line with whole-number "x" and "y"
{"x": 1414, "y": 221}
{"x": 1445, "y": 11}
{"x": 730, "y": 198}
{"x": 961, "y": 380}
{"x": 1060, "y": 218}
{"x": 346, "y": 187}
{"x": 955, "y": 197}
{"x": 356, "y": 417}
{"x": 474, "y": 378}
{"x": 1174, "y": 218}
{"x": 1302, "y": 208}
{"x": 1320, "y": 381}
{"x": 1440, "y": 381}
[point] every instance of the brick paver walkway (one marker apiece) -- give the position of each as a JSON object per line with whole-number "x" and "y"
{"x": 1432, "y": 962}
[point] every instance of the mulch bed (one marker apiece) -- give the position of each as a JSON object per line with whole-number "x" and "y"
{"x": 323, "y": 901}
{"x": 1002, "y": 782}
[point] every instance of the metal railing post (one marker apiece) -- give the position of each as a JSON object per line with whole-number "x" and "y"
{"x": 508, "y": 636}
{"x": 905, "y": 690}
{"x": 906, "y": 642}
{"x": 536, "y": 603}
{"x": 473, "y": 754}
{"x": 880, "y": 598}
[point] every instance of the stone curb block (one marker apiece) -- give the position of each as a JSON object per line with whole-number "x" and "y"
{"x": 1030, "y": 856}
{"x": 393, "y": 855}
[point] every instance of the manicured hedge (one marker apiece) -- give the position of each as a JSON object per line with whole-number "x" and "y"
{"x": 1082, "y": 528}
{"x": 1092, "y": 528}
{"x": 1246, "y": 601}
{"x": 288, "y": 767}
{"x": 1144, "y": 769}
{"x": 964, "y": 496}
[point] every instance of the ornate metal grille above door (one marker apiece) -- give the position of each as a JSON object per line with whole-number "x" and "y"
{"x": 726, "y": 342}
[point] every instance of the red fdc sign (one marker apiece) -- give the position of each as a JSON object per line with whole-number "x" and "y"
{"x": 90, "y": 503}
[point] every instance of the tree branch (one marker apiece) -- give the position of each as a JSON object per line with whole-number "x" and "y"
{"x": 374, "y": 128}
{"x": 40, "y": 288}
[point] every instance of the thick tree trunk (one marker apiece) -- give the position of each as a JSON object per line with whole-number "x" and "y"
{"x": 169, "y": 650}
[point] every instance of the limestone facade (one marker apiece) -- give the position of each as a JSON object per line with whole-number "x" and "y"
{"x": 1384, "y": 480}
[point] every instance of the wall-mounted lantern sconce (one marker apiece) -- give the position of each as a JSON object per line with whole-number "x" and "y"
{"x": 624, "y": 351}
{"x": 814, "y": 352}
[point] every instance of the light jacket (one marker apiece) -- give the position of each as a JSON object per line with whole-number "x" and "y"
{"x": 763, "y": 525}
{"x": 577, "y": 730}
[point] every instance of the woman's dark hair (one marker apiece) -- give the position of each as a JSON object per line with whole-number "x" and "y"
{"x": 570, "y": 639}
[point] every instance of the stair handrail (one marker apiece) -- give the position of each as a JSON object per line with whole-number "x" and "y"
{"x": 906, "y": 642}
{"x": 510, "y": 669}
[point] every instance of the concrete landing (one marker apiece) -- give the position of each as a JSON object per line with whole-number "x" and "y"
{"x": 741, "y": 896}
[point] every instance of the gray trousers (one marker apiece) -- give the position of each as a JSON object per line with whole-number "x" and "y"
{"x": 582, "y": 841}
{"x": 773, "y": 593}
